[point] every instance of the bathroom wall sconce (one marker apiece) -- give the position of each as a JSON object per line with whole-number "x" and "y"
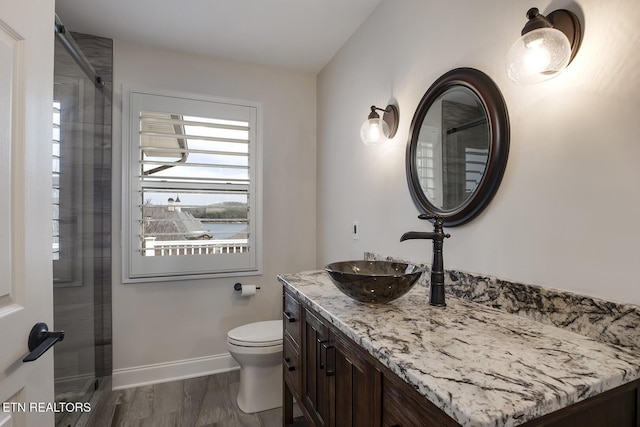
{"x": 548, "y": 44}
{"x": 377, "y": 130}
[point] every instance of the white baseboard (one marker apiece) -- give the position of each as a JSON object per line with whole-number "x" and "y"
{"x": 172, "y": 371}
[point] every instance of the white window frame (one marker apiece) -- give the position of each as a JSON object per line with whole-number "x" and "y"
{"x": 139, "y": 268}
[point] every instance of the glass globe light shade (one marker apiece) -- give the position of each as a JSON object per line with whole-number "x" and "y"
{"x": 538, "y": 55}
{"x": 374, "y": 131}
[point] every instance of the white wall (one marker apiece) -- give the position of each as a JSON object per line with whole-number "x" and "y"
{"x": 567, "y": 214}
{"x": 179, "y": 328}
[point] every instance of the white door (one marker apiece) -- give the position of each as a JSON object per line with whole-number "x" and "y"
{"x": 26, "y": 296}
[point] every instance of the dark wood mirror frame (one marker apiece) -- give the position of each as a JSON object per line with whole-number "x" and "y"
{"x": 496, "y": 110}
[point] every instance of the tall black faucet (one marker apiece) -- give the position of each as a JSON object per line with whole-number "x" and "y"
{"x": 436, "y": 296}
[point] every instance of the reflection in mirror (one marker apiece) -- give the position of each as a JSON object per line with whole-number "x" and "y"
{"x": 452, "y": 148}
{"x": 458, "y": 146}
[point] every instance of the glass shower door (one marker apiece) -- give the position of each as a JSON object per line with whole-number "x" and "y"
{"x": 81, "y": 254}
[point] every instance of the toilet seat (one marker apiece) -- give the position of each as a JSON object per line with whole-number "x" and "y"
{"x": 259, "y": 334}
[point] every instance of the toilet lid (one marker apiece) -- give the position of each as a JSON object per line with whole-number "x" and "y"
{"x": 258, "y": 334}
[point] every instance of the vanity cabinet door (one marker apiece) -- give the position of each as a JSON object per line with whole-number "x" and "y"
{"x": 402, "y": 406}
{"x": 292, "y": 355}
{"x": 352, "y": 380}
{"x": 315, "y": 379}
{"x": 291, "y": 365}
{"x": 291, "y": 318}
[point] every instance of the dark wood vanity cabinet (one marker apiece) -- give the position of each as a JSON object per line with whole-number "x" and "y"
{"x": 291, "y": 355}
{"x": 337, "y": 384}
{"x": 352, "y": 385}
{"x": 402, "y": 406}
{"x": 315, "y": 384}
{"x": 619, "y": 407}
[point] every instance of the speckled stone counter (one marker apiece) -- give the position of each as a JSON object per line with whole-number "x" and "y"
{"x": 606, "y": 321}
{"x": 480, "y": 365}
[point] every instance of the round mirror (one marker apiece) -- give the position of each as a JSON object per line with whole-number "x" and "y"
{"x": 458, "y": 146}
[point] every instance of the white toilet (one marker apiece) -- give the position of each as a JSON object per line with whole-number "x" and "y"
{"x": 257, "y": 347}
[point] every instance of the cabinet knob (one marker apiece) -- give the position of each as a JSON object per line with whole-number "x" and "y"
{"x": 289, "y": 317}
{"x": 287, "y": 365}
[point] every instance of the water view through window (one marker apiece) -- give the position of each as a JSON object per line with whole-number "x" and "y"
{"x": 195, "y": 178}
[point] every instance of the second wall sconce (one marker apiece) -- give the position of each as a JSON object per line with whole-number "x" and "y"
{"x": 377, "y": 130}
{"x": 547, "y": 46}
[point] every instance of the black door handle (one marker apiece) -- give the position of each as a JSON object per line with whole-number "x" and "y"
{"x": 41, "y": 340}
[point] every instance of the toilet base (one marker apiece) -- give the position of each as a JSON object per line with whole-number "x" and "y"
{"x": 260, "y": 388}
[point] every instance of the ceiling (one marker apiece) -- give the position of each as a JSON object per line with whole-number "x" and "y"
{"x": 301, "y": 35}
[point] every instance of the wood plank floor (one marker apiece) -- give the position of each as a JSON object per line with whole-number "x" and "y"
{"x": 198, "y": 402}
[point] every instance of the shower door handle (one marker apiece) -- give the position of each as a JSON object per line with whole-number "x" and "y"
{"x": 41, "y": 340}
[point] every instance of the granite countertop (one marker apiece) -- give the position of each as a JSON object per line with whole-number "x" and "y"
{"x": 481, "y": 366}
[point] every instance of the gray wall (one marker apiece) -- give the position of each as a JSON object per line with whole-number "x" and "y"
{"x": 167, "y": 329}
{"x": 566, "y": 214}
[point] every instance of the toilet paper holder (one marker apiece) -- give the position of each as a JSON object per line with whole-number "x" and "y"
{"x": 238, "y": 286}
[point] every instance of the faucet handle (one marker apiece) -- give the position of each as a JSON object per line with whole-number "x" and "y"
{"x": 435, "y": 218}
{"x": 429, "y": 216}
{"x": 438, "y": 222}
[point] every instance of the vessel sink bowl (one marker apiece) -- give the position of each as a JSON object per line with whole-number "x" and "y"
{"x": 373, "y": 281}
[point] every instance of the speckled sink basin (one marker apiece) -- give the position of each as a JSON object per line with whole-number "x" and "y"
{"x": 373, "y": 281}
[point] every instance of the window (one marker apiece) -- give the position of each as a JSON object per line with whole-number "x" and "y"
{"x": 66, "y": 248}
{"x": 191, "y": 200}
{"x": 475, "y": 162}
{"x": 429, "y": 164}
